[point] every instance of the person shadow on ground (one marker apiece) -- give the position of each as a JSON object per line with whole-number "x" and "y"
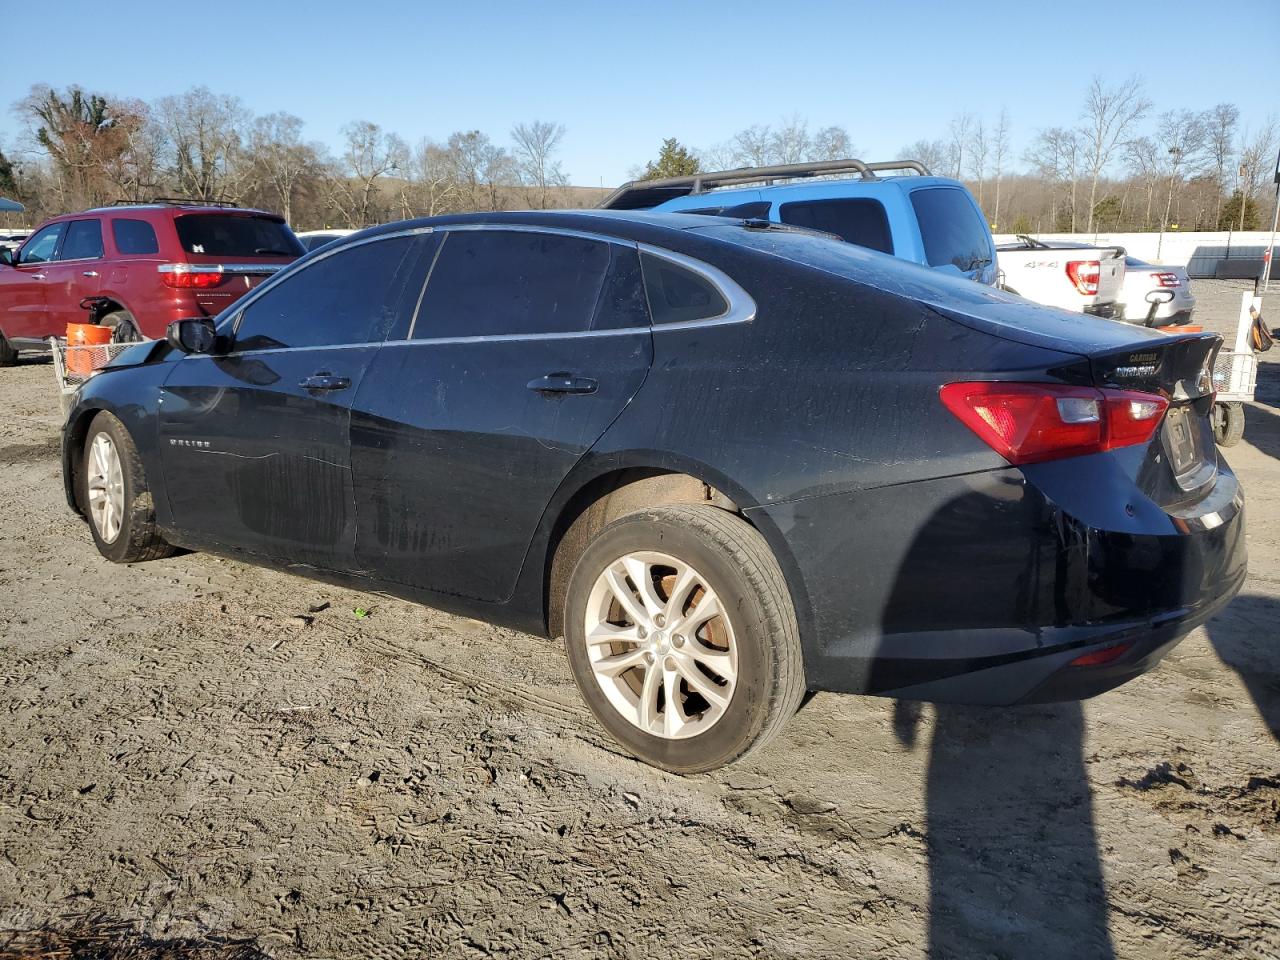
{"x": 1013, "y": 858}
{"x": 1014, "y": 867}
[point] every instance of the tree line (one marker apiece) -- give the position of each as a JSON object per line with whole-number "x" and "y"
{"x": 1120, "y": 166}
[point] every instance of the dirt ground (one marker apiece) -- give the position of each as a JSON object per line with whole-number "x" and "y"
{"x": 204, "y": 749}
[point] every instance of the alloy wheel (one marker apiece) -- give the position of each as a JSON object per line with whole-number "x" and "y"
{"x": 106, "y": 488}
{"x": 660, "y": 644}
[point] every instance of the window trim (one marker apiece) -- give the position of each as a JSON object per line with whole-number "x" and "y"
{"x": 741, "y": 307}
{"x": 101, "y": 241}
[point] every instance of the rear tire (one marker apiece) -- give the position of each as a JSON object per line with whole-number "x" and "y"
{"x": 124, "y": 327}
{"x": 112, "y": 489}
{"x": 707, "y": 664}
{"x": 8, "y": 355}
{"x": 1228, "y": 423}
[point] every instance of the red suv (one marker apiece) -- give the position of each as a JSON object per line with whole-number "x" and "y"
{"x": 140, "y": 265}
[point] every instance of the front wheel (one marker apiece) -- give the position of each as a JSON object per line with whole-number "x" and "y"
{"x": 682, "y": 637}
{"x": 113, "y": 492}
{"x": 124, "y": 328}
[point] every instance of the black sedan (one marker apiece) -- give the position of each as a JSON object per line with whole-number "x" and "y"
{"x": 728, "y": 461}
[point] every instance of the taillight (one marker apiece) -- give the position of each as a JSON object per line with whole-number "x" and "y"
{"x": 1166, "y": 279}
{"x": 1033, "y": 422}
{"x": 190, "y": 276}
{"x": 1084, "y": 274}
{"x": 1098, "y": 657}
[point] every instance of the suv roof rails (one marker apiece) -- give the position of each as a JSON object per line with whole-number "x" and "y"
{"x": 173, "y": 202}
{"x": 642, "y": 194}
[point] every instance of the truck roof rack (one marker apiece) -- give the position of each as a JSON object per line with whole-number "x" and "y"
{"x": 173, "y": 202}
{"x": 643, "y": 194}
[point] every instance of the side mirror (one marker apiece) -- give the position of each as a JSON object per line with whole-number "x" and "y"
{"x": 192, "y": 336}
{"x": 6, "y": 256}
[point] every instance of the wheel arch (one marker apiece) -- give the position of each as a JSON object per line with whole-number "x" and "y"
{"x": 74, "y": 433}
{"x": 598, "y": 496}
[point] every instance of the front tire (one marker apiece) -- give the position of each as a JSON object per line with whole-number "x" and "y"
{"x": 113, "y": 492}
{"x": 682, "y": 637}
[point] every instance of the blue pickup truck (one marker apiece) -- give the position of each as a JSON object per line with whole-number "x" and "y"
{"x": 896, "y": 207}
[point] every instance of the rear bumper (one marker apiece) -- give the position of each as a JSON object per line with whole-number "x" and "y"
{"x": 980, "y": 589}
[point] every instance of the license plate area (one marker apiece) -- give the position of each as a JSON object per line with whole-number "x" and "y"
{"x": 1184, "y": 445}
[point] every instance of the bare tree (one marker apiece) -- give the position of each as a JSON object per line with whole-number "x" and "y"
{"x": 790, "y": 141}
{"x": 831, "y": 143}
{"x": 205, "y": 132}
{"x": 535, "y": 147}
{"x": 1220, "y": 131}
{"x": 1182, "y": 135}
{"x": 481, "y": 167}
{"x": 1110, "y": 113}
{"x": 979, "y": 150}
{"x": 283, "y": 161}
{"x": 753, "y": 147}
{"x": 958, "y": 132}
{"x": 370, "y": 153}
{"x": 1257, "y": 152}
{"x": 932, "y": 153}
{"x": 999, "y": 154}
{"x": 1055, "y": 154}
{"x": 431, "y": 182}
{"x": 1143, "y": 161}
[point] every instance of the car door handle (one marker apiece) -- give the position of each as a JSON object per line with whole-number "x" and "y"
{"x": 325, "y": 381}
{"x": 89, "y": 273}
{"x": 37, "y": 276}
{"x": 562, "y": 383}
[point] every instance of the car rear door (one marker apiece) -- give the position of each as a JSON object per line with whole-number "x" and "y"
{"x": 76, "y": 274}
{"x": 23, "y": 287}
{"x": 526, "y": 346}
{"x": 254, "y": 442}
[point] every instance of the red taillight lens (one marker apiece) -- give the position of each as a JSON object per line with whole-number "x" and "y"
{"x": 185, "y": 276}
{"x": 1084, "y": 274}
{"x": 1167, "y": 279}
{"x": 1099, "y": 657}
{"x": 1033, "y": 422}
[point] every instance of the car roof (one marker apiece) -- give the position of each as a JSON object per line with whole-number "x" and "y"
{"x": 185, "y": 208}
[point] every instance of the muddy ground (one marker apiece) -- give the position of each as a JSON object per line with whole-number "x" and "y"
{"x": 208, "y": 749}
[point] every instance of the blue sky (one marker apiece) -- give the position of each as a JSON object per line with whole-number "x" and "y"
{"x": 622, "y": 77}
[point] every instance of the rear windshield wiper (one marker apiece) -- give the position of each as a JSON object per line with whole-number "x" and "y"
{"x": 272, "y": 251}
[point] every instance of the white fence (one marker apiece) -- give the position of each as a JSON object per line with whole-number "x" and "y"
{"x": 1199, "y": 252}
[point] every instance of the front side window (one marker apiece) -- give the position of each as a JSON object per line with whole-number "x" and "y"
{"x": 134, "y": 238}
{"x": 512, "y": 282}
{"x": 859, "y": 221}
{"x": 678, "y": 294}
{"x": 84, "y": 241}
{"x": 951, "y": 229}
{"x": 236, "y": 235}
{"x": 40, "y": 248}
{"x": 355, "y": 295}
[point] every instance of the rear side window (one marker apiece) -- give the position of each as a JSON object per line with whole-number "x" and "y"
{"x": 134, "y": 237}
{"x": 507, "y": 282}
{"x": 83, "y": 242}
{"x": 355, "y": 295}
{"x": 951, "y": 229}
{"x": 234, "y": 235}
{"x": 678, "y": 294}
{"x": 860, "y": 221}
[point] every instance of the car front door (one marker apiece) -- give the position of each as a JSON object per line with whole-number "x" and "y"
{"x": 254, "y": 442}
{"x": 23, "y": 287}
{"x": 76, "y": 274}
{"x": 526, "y": 345}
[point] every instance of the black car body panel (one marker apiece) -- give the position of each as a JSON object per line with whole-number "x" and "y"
{"x": 920, "y": 562}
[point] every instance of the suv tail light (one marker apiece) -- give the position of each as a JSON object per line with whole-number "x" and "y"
{"x": 1166, "y": 279}
{"x": 1084, "y": 274}
{"x": 190, "y": 276}
{"x": 1033, "y": 422}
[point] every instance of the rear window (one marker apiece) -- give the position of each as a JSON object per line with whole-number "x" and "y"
{"x": 859, "y": 221}
{"x": 231, "y": 235}
{"x": 134, "y": 237}
{"x": 951, "y": 229}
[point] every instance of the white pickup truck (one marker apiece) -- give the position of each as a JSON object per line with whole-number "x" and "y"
{"x": 1082, "y": 279}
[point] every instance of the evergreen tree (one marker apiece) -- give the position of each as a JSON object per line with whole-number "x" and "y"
{"x": 674, "y": 160}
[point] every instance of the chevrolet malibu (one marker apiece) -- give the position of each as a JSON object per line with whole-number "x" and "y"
{"x": 728, "y": 461}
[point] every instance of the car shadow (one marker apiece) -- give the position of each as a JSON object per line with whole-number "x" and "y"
{"x": 1243, "y": 636}
{"x": 1261, "y": 429}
